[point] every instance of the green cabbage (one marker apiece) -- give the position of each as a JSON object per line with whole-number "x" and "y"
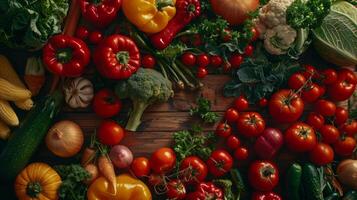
{"x": 336, "y": 39}
{"x": 27, "y": 24}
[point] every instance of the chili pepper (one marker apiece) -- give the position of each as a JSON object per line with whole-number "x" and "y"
{"x": 186, "y": 10}
{"x": 100, "y": 12}
{"x": 65, "y": 55}
{"x": 266, "y": 196}
{"x": 206, "y": 190}
{"x": 153, "y": 18}
{"x": 128, "y": 188}
{"x": 117, "y": 57}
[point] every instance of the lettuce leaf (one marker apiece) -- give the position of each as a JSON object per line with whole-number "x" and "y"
{"x": 27, "y": 24}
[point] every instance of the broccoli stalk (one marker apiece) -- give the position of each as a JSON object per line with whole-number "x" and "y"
{"x": 144, "y": 88}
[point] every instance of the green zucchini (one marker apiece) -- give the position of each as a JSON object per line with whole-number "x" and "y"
{"x": 28, "y": 136}
{"x": 312, "y": 182}
{"x": 293, "y": 180}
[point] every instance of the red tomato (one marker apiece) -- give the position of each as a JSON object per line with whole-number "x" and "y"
{"x": 249, "y": 50}
{"x": 300, "y": 137}
{"x": 296, "y": 81}
{"x": 285, "y": 106}
{"x": 311, "y": 93}
{"x": 188, "y": 59}
{"x": 219, "y": 163}
{"x": 110, "y": 133}
{"x": 106, "y": 104}
{"x": 329, "y": 133}
{"x": 223, "y": 129}
{"x": 329, "y": 76}
{"x": 148, "y": 61}
{"x": 309, "y": 71}
{"x": 95, "y": 37}
{"x": 82, "y": 32}
{"x": 266, "y": 196}
{"x": 263, "y": 175}
{"x": 231, "y": 115}
{"x": 250, "y": 124}
{"x": 345, "y": 146}
{"x": 176, "y": 190}
{"x": 241, "y": 103}
{"x": 315, "y": 120}
{"x": 241, "y": 153}
{"x": 325, "y": 107}
{"x": 350, "y": 128}
{"x": 235, "y": 60}
{"x": 201, "y": 72}
{"x": 321, "y": 154}
{"x": 263, "y": 102}
{"x": 341, "y": 115}
{"x": 195, "y": 170}
{"x": 255, "y": 33}
{"x": 344, "y": 87}
{"x": 216, "y": 61}
{"x": 163, "y": 160}
{"x": 203, "y": 60}
{"x": 232, "y": 142}
{"x": 140, "y": 167}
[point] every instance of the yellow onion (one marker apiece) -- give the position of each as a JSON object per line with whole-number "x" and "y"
{"x": 347, "y": 173}
{"x": 65, "y": 139}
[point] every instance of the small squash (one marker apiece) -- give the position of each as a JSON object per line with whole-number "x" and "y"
{"x": 78, "y": 92}
{"x": 38, "y": 181}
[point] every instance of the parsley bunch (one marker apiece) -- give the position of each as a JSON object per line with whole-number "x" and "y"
{"x": 203, "y": 110}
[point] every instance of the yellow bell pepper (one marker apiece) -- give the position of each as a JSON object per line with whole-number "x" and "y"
{"x": 128, "y": 188}
{"x": 150, "y": 16}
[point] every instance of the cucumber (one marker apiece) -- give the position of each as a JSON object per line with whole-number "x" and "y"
{"x": 312, "y": 182}
{"x": 293, "y": 180}
{"x": 28, "y": 136}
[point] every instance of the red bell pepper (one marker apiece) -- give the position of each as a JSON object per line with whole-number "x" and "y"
{"x": 117, "y": 57}
{"x": 206, "y": 191}
{"x": 66, "y": 55}
{"x": 100, "y": 12}
{"x": 186, "y": 10}
{"x": 266, "y": 196}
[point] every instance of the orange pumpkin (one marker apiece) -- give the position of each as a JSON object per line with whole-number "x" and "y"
{"x": 38, "y": 181}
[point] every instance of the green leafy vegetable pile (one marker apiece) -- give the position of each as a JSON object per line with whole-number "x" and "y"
{"x": 72, "y": 187}
{"x": 27, "y": 24}
{"x": 203, "y": 110}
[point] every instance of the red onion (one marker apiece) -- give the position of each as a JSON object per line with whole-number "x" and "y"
{"x": 268, "y": 143}
{"x": 121, "y": 156}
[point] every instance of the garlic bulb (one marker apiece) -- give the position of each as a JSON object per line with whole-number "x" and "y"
{"x": 78, "y": 92}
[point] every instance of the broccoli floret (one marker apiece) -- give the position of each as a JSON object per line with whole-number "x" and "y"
{"x": 144, "y": 88}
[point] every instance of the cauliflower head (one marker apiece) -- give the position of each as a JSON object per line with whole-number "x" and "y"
{"x": 274, "y": 13}
{"x": 279, "y": 39}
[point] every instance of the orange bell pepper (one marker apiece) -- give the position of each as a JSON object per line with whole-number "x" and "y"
{"x": 150, "y": 16}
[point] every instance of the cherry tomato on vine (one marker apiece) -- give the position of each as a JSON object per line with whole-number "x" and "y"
{"x": 231, "y": 115}
{"x": 325, "y": 107}
{"x": 315, "y": 120}
{"x": 344, "y": 87}
{"x": 263, "y": 102}
{"x": 106, "y": 104}
{"x": 223, "y": 129}
{"x": 241, "y": 103}
{"x": 148, "y": 61}
{"x": 188, "y": 59}
{"x": 345, "y": 146}
{"x": 232, "y": 142}
{"x": 309, "y": 71}
{"x": 249, "y": 50}
{"x": 329, "y": 133}
{"x": 110, "y": 133}
{"x": 82, "y": 33}
{"x": 311, "y": 93}
{"x": 219, "y": 163}
{"x": 321, "y": 154}
{"x": 176, "y": 190}
{"x": 195, "y": 170}
{"x": 296, "y": 81}
{"x": 140, "y": 167}
{"x": 241, "y": 153}
{"x": 250, "y": 124}
{"x": 255, "y": 33}
{"x": 201, "y": 72}
{"x": 236, "y": 60}
{"x": 216, "y": 61}
{"x": 350, "y": 128}
{"x": 341, "y": 116}
{"x": 263, "y": 175}
{"x": 95, "y": 37}
{"x": 329, "y": 76}
{"x": 203, "y": 60}
{"x": 163, "y": 160}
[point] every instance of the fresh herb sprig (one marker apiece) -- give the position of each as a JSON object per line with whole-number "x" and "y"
{"x": 203, "y": 110}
